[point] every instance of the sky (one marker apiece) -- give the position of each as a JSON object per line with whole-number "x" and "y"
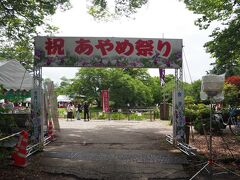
{"x": 158, "y": 19}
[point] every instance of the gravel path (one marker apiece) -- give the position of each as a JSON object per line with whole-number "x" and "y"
{"x": 114, "y": 150}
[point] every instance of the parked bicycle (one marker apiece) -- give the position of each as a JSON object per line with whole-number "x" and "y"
{"x": 232, "y": 120}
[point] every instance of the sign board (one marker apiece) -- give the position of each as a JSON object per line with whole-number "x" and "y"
{"x": 37, "y": 120}
{"x": 108, "y": 52}
{"x": 178, "y": 117}
{"x": 105, "y": 100}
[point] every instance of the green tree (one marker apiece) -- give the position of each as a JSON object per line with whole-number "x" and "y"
{"x": 194, "y": 91}
{"x": 20, "y": 51}
{"x": 138, "y": 73}
{"x": 20, "y": 21}
{"x": 90, "y": 82}
{"x": 125, "y": 89}
{"x": 168, "y": 87}
{"x": 65, "y": 87}
{"x": 231, "y": 95}
{"x": 156, "y": 90}
{"x": 224, "y": 45}
{"x": 100, "y": 9}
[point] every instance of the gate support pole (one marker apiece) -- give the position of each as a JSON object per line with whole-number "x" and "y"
{"x": 178, "y": 109}
{"x": 36, "y": 99}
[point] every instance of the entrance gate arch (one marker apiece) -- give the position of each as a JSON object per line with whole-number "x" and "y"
{"x": 107, "y": 52}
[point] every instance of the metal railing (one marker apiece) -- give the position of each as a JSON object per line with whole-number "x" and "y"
{"x": 31, "y": 149}
{"x": 126, "y": 115}
{"x": 7, "y": 137}
{"x": 185, "y": 148}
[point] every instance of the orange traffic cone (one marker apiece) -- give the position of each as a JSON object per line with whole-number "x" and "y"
{"x": 21, "y": 158}
{"x": 20, "y": 153}
{"x": 50, "y": 131}
{"x": 16, "y": 148}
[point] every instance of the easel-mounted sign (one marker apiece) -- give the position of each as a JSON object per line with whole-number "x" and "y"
{"x": 108, "y": 52}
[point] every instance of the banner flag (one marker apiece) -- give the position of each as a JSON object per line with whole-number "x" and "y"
{"x": 105, "y": 100}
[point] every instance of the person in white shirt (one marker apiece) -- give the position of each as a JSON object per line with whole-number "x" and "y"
{"x": 70, "y": 110}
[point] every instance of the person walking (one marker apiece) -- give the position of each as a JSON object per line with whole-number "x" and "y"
{"x": 86, "y": 111}
{"x": 79, "y": 110}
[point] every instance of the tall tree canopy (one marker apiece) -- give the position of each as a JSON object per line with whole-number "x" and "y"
{"x": 20, "y": 21}
{"x": 105, "y": 9}
{"x": 90, "y": 82}
{"x": 225, "y": 43}
{"x": 123, "y": 88}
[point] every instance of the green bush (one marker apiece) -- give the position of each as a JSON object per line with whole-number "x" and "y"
{"x": 156, "y": 112}
{"x": 203, "y": 111}
{"x": 117, "y": 116}
{"x": 61, "y": 112}
{"x": 95, "y": 109}
{"x": 97, "y": 115}
{"x": 190, "y": 114}
{"x": 200, "y": 115}
{"x": 199, "y": 123}
{"x": 135, "y": 116}
{"x": 190, "y": 111}
{"x": 103, "y": 116}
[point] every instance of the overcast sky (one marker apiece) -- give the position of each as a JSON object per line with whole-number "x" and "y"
{"x": 158, "y": 19}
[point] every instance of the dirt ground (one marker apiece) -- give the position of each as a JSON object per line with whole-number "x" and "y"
{"x": 225, "y": 148}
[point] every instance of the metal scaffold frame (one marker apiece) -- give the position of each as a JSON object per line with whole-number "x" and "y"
{"x": 178, "y": 107}
{"x": 52, "y": 52}
{"x": 37, "y": 106}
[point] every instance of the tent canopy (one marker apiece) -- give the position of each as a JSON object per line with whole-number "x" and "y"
{"x": 14, "y": 76}
{"x": 64, "y": 98}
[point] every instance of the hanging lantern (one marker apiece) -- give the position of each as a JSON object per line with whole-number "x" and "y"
{"x": 212, "y": 84}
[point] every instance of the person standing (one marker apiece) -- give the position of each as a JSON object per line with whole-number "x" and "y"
{"x": 86, "y": 111}
{"x": 8, "y": 106}
{"x": 70, "y": 109}
{"x": 79, "y": 110}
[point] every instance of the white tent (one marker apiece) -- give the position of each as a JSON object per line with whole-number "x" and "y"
{"x": 64, "y": 98}
{"x": 14, "y": 76}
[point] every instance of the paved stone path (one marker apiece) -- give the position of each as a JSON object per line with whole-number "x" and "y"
{"x": 114, "y": 150}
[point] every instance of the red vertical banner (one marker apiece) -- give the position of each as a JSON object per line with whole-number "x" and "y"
{"x": 105, "y": 100}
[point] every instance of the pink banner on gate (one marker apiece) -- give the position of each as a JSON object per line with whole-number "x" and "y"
{"x": 119, "y": 52}
{"x": 105, "y": 100}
